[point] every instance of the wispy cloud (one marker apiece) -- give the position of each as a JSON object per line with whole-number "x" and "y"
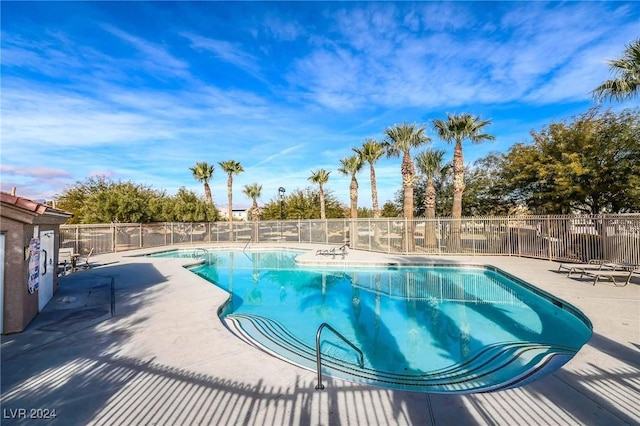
{"x": 37, "y": 172}
{"x": 232, "y": 53}
{"x": 283, "y": 28}
{"x": 151, "y": 57}
{"x": 282, "y": 153}
{"x": 410, "y": 61}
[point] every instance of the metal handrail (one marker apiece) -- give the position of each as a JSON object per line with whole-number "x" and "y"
{"x": 246, "y": 245}
{"x": 199, "y": 249}
{"x": 320, "y": 386}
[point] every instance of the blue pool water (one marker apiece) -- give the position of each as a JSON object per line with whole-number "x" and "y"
{"x": 430, "y": 329}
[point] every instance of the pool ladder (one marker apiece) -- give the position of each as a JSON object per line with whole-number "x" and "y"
{"x": 320, "y": 386}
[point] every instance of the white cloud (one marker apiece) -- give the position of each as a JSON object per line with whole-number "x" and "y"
{"x": 283, "y": 29}
{"x": 232, "y": 53}
{"x": 154, "y": 58}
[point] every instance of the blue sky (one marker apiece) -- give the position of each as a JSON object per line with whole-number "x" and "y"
{"x": 141, "y": 91}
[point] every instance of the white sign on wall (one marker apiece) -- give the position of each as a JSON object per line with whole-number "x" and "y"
{"x": 34, "y": 265}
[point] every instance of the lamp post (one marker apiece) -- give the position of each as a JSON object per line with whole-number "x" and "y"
{"x": 281, "y": 191}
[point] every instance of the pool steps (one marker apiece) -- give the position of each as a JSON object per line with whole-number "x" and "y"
{"x": 494, "y": 368}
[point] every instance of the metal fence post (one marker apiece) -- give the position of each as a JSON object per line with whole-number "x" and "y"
{"x": 603, "y": 238}
{"x": 113, "y": 238}
{"x": 549, "y": 251}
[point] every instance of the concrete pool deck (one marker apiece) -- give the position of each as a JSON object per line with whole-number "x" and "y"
{"x": 164, "y": 357}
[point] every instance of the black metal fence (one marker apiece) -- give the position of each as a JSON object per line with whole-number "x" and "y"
{"x": 579, "y": 238}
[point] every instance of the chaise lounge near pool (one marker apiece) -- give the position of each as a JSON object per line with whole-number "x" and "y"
{"x": 437, "y": 328}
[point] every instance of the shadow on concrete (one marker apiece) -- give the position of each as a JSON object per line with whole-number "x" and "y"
{"x": 66, "y": 334}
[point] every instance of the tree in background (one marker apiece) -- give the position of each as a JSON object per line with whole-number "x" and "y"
{"x": 304, "y": 204}
{"x": 350, "y": 166}
{"x": 431, "y": 166}
{"x": 120, "y": 202}
{"x": 389, "y": 209}
{"x": 100, "y": 200}
{"x": 230, "y": 167}
{"x": 320, "y": 177}
{"x": 365, "y": 213}
{"x": 74, "y": 199}
{"x": 370, "y": 152}
{"x": 253, "y": 192}
{"x": 400, "y": 140}
{"x": 485, "y": 189}
{"x": 591, "y": 165}
{"x": 627, "y": 71}
{"x": 185, "y": 206}
{"x": 203, "y": 172}
{"x": 456, "y": 129}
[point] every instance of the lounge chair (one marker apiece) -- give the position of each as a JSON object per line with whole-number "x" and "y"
{"x": 592, "y": 265}
{"x": 326, "y": 252}
{"x": 65, "y": 260}
{"x": 624, "y": 276}
{"x": 82, "y": 262}
{"x": 342, "y": 250}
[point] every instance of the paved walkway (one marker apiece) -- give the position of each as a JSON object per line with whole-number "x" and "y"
{"x": 163, "y": 357}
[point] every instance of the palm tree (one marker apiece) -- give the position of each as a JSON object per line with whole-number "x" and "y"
{"x": 371, "y": 152}
{"x": 430, "y": 164}
{"x": 231, "y": 167}
{"x": 320, "y": 177}
{"x": 253, "y": 191}
{"x": 456, "y": 129}
{"x": 203, "y": 172}
{"x": 627, "y": 70}
{"x": 350, "y": 166}
{"x": 400, "y": 139}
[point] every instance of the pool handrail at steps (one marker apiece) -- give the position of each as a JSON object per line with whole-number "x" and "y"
{"x": 320, "y": 386}
{"x": 198, "y": 250}
{"x": 247, "y": 244}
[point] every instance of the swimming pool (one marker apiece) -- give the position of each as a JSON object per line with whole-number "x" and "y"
{"x": 430, "y": 329}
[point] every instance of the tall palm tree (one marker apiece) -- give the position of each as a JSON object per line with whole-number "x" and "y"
{"x": 430, "y": 164}
{"x": 456, "y": 129}
{"x": 320, "y": 177}
{"x": 203, "y": 172}
{"x": 231, "y": 167}
{"x": 350, "y": 166}
{"x": 371, "y": 151}
{"x": 400, "y": 139}
{"x": 627, "y": 71}
{"x": 253, "y": 191}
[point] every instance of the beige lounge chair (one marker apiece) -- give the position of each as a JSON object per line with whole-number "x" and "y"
{"x": 342, "y": 250}
{"x": 65, "y": 260}
{"x": 623, "y": 276}
{"x": 593, "y": 265}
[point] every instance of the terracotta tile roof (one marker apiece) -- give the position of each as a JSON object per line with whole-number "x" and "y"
{"x": 30, "y": 205}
